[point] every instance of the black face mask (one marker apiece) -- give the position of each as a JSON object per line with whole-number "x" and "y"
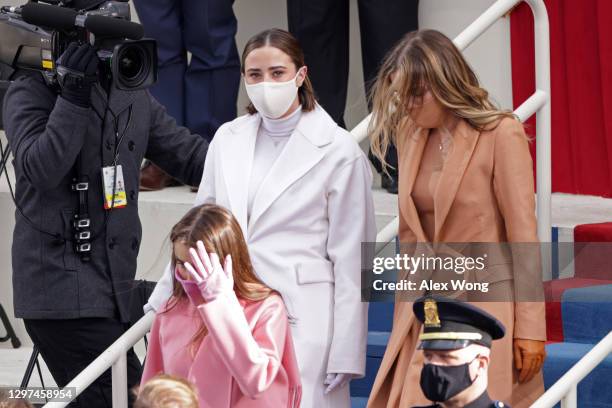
{"x": 441, "y": 383}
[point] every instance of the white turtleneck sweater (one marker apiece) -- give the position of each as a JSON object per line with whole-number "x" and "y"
{"x": 272, "y": 137}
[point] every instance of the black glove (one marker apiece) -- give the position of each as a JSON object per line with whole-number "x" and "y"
{"x": 76, "y": 70}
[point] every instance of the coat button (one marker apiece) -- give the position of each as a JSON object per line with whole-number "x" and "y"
{"x": 109, "y": 145}
{"x": 112, "y": 243}
{"x": 131, "y": 145}
{"x": 134, "y": 244}
{"x": 132, "y": 195}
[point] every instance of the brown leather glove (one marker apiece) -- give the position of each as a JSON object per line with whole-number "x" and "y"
{"x": 529, "y": 357}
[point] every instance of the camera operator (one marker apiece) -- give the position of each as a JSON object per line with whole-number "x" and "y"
{"x": 76, "y": 302}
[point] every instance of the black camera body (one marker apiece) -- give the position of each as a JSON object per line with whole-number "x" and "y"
{"x": 34, "y": 36}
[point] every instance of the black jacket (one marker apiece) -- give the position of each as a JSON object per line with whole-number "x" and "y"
{"x": 484, "y": 401}
{"x": 46, "y": 134}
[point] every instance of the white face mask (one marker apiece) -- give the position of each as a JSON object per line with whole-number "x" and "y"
{"x": 272, "y": 99}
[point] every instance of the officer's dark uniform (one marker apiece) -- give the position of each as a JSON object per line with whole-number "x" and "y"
{"x": 72, "y": 309}
{"x": 481, "y": 402}
{"x": 450, "y": 324}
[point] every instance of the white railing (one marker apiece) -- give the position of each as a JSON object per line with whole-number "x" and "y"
{"x": 114, "y": 356}
{"x": 539, "y": 103}
{"x": 565, "y": 389}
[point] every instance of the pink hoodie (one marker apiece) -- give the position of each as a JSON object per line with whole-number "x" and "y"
{"x": 246, "y": 360}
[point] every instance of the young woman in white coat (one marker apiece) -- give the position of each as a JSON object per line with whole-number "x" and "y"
{"x": 300, "y": 187}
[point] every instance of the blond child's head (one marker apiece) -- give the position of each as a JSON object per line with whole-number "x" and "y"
{"x": 166, "y": 391}
{"x": 6, "y": 402}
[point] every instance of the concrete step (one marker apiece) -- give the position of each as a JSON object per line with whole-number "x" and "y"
{"x": 14, "y": 364}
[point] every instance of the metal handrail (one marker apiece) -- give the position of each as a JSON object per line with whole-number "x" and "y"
{"x": 539, "y": 102}
{"x": 565, "y": 390}
{"x": 115, "y": 356}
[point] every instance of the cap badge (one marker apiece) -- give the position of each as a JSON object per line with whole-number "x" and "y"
{"x": 432, "y": 319}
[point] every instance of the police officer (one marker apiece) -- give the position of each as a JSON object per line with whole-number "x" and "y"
{"x": 77, "y": 234}
{"x": 456, "y": 342}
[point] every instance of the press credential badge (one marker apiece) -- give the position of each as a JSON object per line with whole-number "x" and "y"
{"x": 107, "y": 182}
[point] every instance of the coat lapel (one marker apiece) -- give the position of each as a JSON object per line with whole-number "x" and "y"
{"x": 464, "y": 142}
{"x": 119, "y": 100}
{"x": 301, "y": 153}
{"x": 411, "y": 154}
{"x": 237, "y": 162}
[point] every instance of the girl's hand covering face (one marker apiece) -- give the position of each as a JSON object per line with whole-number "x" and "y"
{"x": 212, "y": 278}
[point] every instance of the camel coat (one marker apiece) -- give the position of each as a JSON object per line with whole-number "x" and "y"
{"x": 485, "y": 193}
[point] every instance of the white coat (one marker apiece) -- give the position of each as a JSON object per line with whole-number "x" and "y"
{"x": 309, "y": 217}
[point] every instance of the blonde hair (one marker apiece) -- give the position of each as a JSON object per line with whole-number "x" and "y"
{"x": 166, "y": 391}
{"x": 6, "y": 402}
{"x": 422, "y": 61}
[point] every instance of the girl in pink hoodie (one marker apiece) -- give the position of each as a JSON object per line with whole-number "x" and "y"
{"x": 223, "y": 329}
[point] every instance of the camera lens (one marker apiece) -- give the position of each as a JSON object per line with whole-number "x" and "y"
{"x": 131, "y": 63}
{"x": 134, "y": 64}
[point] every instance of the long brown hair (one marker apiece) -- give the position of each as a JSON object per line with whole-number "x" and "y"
{"x": 422, "y": 61}
{"x": 287, "y": 43}
{"x": 220, "y": 232}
